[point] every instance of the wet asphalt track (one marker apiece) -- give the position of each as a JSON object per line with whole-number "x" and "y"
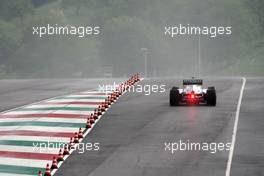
{"x": 133, "y": 132}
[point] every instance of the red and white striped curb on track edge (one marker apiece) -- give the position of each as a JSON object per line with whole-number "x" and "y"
{"x": 42, "y": 102}
{"x": 86, "y": 133}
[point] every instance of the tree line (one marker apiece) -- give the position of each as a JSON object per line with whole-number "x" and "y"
{"x": 127, "y": 26}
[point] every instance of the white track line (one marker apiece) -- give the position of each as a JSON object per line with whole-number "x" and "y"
{"x": 46, "y": 112}
{"x": 81, "y": 96}
{"x": 35, "y": 139}
{"x": 6, "y": 174}
{"x": 74, "y": 99}
{"x": 46, "y": 150}
{"x": 43, "y": 128}
{"x": 61, "y": 105}
{"x": 44, "y": 119}
{"x": 24, "y": 162}
{"x": 230, "y": 157}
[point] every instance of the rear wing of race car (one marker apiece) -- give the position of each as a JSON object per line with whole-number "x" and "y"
{"x": 192, "y": 81}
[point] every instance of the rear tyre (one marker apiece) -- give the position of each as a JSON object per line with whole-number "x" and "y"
{"x": 211, "y": 96}
{"x": 174, "y": 96}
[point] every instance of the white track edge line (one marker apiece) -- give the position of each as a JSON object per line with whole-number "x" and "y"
{"x": 231, "y": 152}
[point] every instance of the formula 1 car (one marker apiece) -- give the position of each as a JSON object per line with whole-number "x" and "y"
{"x": 192, "y": 93}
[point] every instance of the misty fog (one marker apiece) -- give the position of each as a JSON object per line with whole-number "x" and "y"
{"x": 130, "y": 32}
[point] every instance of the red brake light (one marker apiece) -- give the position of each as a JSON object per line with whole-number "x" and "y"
{"x": 192, "y": 95}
